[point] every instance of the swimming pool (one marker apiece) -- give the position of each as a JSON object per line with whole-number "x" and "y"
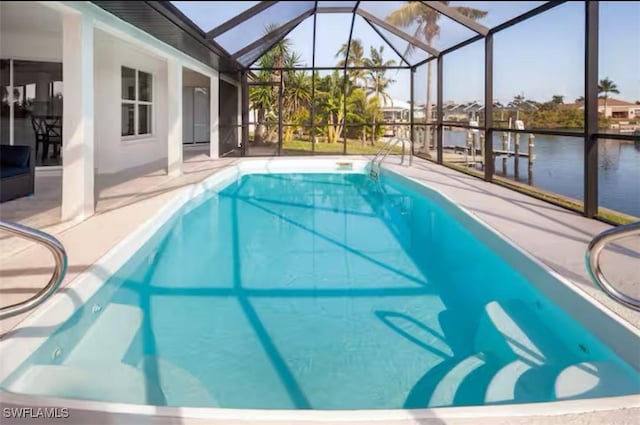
{"x": 321, "y": 290}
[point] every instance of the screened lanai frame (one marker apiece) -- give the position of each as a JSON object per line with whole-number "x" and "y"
{"x": 590, "y": 133}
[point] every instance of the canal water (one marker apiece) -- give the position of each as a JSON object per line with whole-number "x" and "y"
{"x": 559, "y": 162}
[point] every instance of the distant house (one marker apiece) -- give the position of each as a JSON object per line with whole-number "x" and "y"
{"x": 619, "y": 109}
{"x": 396, "y": 111}
{"x": 616, "y": 108}
{"x": 399, "y": 111}
{"x": 461, "y": 111}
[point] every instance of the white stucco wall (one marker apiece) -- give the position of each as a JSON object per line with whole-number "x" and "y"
{"x": 113, "y": 152}
{"x": 117, "y": 44}
{"x": 31, "y": 45}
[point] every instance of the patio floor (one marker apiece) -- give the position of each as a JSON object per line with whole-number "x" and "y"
{"x": 554, "y": 235}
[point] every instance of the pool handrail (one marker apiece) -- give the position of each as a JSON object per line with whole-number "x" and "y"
{"x": 60, "y": 256}
{"x": 386, "y": 149}
{"x": 592, "y": 258}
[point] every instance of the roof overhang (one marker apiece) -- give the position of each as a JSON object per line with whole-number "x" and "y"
{"x": 165, "y": 22}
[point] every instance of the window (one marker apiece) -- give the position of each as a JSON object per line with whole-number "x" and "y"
{"x": 137, "y": 102}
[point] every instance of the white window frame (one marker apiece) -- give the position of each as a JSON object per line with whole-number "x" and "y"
{"x": 136, "y": 103}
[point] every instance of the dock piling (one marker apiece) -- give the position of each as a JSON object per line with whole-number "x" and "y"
{"x": 530, "y": 157}
{"x": 506, "y": 153}
{"x": 516, "y": 157}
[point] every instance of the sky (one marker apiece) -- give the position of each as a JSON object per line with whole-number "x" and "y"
{"x": 538, "y": 58}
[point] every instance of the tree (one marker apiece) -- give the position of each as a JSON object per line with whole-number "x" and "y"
{"x": 426, "y": 21}
{"x": 364, "y": 111}
{"x": 607, "y": 86}
{"x": 580, "y": 99}
{"x": 298, "y": 93}
{"x": 557, "y": 99}
{"x": 519, "y": 99}
{"x": 264, "y": 98}
{"x": 331, "y": 98}
{"x": 281, "y": 51}
{"x": 378, "y": 83}
{"x": 356, "y": 59}
{"x": 296, "y": 101}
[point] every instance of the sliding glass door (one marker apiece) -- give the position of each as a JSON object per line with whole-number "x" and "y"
{"x": 32, "y": 107}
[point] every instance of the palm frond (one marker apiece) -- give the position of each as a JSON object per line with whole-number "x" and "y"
{"x": 471, "y": 12}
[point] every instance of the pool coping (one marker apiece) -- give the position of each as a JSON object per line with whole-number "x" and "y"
{"x": 59, "y": 308}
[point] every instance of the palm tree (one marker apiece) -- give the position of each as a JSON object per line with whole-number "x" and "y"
{"x": 378, "y": 82}
{"x": 331, "y": 98}
{"x": 281, "y": 50}
{"x": 298, "y": 93}
{"x": 607, "y": 86}
{"x": 356, "y": 59}
{"x": 264, "y": 99}
{"x": 365, "y": 108}
{"x": 426, "y": 21}
{"x": 519, "y": 99}
{"x": 296, "y": 100}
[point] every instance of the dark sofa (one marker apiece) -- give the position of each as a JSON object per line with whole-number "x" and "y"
{"x": 17, "y": 172}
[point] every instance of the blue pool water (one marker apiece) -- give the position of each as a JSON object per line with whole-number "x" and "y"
{"x": 320, "y": 291}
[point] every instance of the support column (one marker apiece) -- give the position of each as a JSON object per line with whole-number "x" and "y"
{"x": 488, "y": 107}
{"x": 280, "y": 108}
{"x": 591, "y": 110}
{"x": 12, "y": 107}
{"x": 42, "y": 102}
{"x": 77, "y": 117}
{"x": 214, "y": 117}
{"x": 439, "y": 106}
{"x": 174, "y": 117}
{"x": 412, "y": 72}
{"x": 243, "y": 113}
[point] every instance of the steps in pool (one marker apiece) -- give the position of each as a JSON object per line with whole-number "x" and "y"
{"x": 503, "y": 385}
{"x": 179, "y": 387}
{"x": 445, "y": 392}
{"x": 510, "y": 330}
{"x": 109, "y": 338}
{"x": 594, "y": 379}
{"x": 534, "y": 360}
{"x": 94, "y": 369}
{"x": 116, "y": 382}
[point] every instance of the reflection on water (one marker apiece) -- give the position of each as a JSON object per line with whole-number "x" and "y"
{"x": 559, "y": 162}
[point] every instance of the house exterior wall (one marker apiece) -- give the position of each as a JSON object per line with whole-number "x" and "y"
{"x": 625, "y": 111}
{"x": 30, "y": 45}
{"x": 114, "y": 152}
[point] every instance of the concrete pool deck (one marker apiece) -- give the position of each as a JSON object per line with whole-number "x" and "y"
{"x": 555, "y": 236}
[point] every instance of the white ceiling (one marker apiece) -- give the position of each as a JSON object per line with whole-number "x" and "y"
{"x": 28, "y": 16}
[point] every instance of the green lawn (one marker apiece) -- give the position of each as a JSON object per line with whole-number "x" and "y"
{"x": 303, "y": 147}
